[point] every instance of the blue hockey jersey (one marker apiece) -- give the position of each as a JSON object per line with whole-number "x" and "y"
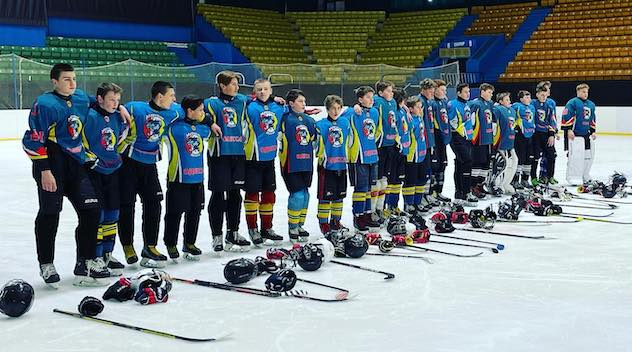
{"x": 579, "y": 116}
{"x": 441, "y": 121}
{"x": 460, "y": 118}
{"x": 362, "y": 143}
{"x": 332, "y": 138}
{"x": 404, "y": 122}
{"x": 228, "y": 113}
{"x": 102, "y": 134}
{"x": 428, "y": 114}
{"x": 545, "y": 117}
{"x": 298, "y": 132}
{"x": 387, "y": 123}
{"x": 525, "y": 118}
{"x": 418, "y": 146}
{"x": 186, "y": 151}
{"x": 483, "y": 113}
{"x": 263, "y": 122}
{"x": 505, "y": 136}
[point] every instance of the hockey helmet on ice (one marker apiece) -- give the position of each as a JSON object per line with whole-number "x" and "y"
{"x": 238, "y": 271}
{"x": 355, "y": 246}
{"x": 310, "y": 257}
{"x": 283, "y": 280}
{"x": 16, "y": 298}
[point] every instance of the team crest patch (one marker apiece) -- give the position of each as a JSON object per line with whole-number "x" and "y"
{"x": 444, "y": 115}
{"x": 74, "y": 126}
{"x": 193, "y": 143}
{"x": 404, "y": 125}
{"x": 108, "y": 139}
{"x": 268, "y": 122}
{"x": 335, "y": 136}
{"x": 527, "y": 115}
{"x": 302, "y": 135}
{"x": 368, "y": 128}
{"x": 230, "y": 116}
{"x": 587, "y": 113}
{"x": 154, "y": 127}
{"x": 488, "y": 116}
{"x": 391, "y": 119}
{"x": 541, "y": 115}
{"x": 430, "y": 113}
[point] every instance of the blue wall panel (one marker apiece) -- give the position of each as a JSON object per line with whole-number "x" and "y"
{"x": 69, "y": 27}
{"x": 22, "y": 35}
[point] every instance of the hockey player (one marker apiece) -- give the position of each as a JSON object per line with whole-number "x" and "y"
{"x": 482, "y": 110}
{"x": 140, "y": 173}
{"x": 363, "y": 156}
{"x": 416, "y": 154}
{"x": 388, "y": 151}
{"x": 525, "y": 127}
{"x": 297, "y": 161}
{"x": 426, "y": 97}
{"x": 442, "y": 139}
{"x": 54, "y": 144}
{"x": 460, "y": 119}
{"x": 552, "y": 103}
{"x": 103, "y": 132}
{"x": 332, "y": 134}
{"x": 185, "y": 178}
{"x": 226, "y": 162}
{"x": 403, "y": 141}
{"x": 543, "y": 138}
{"x": 579, "y": 125}
{"x": 263, "y": 117}
{"x": 504, "y": 117}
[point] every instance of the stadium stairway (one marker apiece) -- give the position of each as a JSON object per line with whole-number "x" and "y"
{"x": 524, "y": 32}
{"x": 458, "y": 31}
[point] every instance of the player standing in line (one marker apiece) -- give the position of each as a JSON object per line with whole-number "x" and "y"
{"x": 552, "y": 103}
{"x": 141, "y": 151}
{"x": 426, "y": 97}
{"x": 403, "y": 141}
{"x": 460, "y": 119}
{"x": 579, "y": 124}
{"x": 296, "y": 156}
{"x": 416, "y": 153}
{"x": 482, "y": 110}
{"x": 525, "y": 127}
{"x": 332, "y": 134}
{"x": 544, "y": 137}
{"x": 263, "y": 117}
{"x": 442, "y": 139}
{"x": 185, "y": 178}
{"x": 103, "y": 132}
{"x": 54, "y": 144}
{"x": 363, "y": 156}
{"x": 504, "y": 117}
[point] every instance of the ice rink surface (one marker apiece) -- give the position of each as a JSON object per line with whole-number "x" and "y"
{"x": 571, "y": 293}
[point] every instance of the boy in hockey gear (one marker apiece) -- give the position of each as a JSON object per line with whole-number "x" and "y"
{"x": 579, "y": 125}
{"x": 102, "y": 133}
{"x": 298, "y": 131}
{"x": 263, "y": 117}
{"x": 553, "y": 104}
{"x": 54, "y": 144}
{"x": 16, "y": 298}
{"x": 460, "y": 120}
{"x": 139, "y": 171}
{"x": 426, "y": 97}
{"x": 482, "y": 110}
{"x": 442, "y": 139}
{"x": 416, "y": 157}
{"x": 332, "y": 134}
{"x": 403, "y": 141}
{"x": 525, "y": 127}
{"x": 504, "y": 116}
{"x": 226, "y": 162}
{"x": 185, "y": 178}
{"x": 363, "y": 156}
{"x": 388, "y": 150}
{"x": 544, "y": 137}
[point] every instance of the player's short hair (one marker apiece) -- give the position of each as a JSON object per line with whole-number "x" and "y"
{"x": 546, "y": 84}
{"x": 191, "y": 102}
{"x": 381, "y": 85}
{"x": 523, "y": 93}
{"x": 427, "y": 83}
{"x": 361, "y": 91}
{"x": 56, "y": 71}
{"x": 104, "y": 88}
{"x": 486, "y": 86}
{"x": 160, "y": 87}
{"x": 225, "y": 77}
{"x": 459, "y": 88}
{"x": 440, "y": 83}
{"x": 502, "y": 95}
{"x": 399, "y": 94}
{"x": 293, "y": 94}
{"x": 581, "y": 86}
{"x": 412, "y": 100}
{"x": 260, "y": 80}
{"x": 330, "y": 100}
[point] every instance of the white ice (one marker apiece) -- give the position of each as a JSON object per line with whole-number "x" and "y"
{"x": 571, "y": 293}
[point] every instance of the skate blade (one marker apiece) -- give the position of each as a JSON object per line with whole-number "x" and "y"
{"x": 269, "y": 242}
{"x": 235, "y": 248}
{"x": 153, "y": 264}
{"x": 53, "y": 285}
{"x": 86, "y": 281}
{"x": 131, "y": 260}
{"x": 174, "y": 260}
{"x": 191, "y": 257}
{"x": 116, "y": 272}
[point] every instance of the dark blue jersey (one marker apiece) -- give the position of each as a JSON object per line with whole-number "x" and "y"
{"x": 441, "y": 121}
{"x": 428, "y": 114}
{"x": 483, "y": 113}
{"x": 298, "y": 132}
{"x": 387, "y": 123}
{"x": 263, "y": 122}
{"x": 228, "y": 113}
{"x": 102, "y": 134}
{"x": 579, "y": 117}
{"x": 60, "y": 120}
{"x": 460, "y": 118}
{"x": 525, "y": 118}
{"x": 362, "y": 144}
{"x": 505, "y": 118}
{"x": 332, "y": 137}
{"x": 544, "y": 117}
{"x": 404, "y": 121}
{"x": 186, "y": 151}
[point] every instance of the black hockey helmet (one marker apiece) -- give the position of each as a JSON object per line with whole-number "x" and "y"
{"x": 355, "y": 246}
{"x": 442, "y": 221}
{"x": 310, "y": 257}
{"x": 238, "y": 271}
{"x": 477, "y": 218}
{"x": 386, "y": 246}
{"x": 396, "y": 226}
{"x": 283, "y": 280}
{"x": 16, "y": 298}
{"x": 506, "y": 211}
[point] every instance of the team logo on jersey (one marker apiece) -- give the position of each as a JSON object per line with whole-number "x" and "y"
{"x": 430, "y": 113}
{"x": 368, "y": 128}
{"x": 404, "y": 128}
{"x": 444, "y": 115}
{"x": 511, "y": 124}
{"x": 302, "y": 135}
{"x": 587, "y": 113}
{"x": 488, "y": 116}
{"x": 268, "y": 122}
{"x": 154, "y": 127}
{"x": 541, "y": 115}
{"x": 230, "y": 116}
{"x": 335, "y": 136}
{"x": 392, "y": 121}
{"x": 193, "y": 143}
{"x": 467, "y": 113}
{"x": 527, "y": 115}
{"x": 74, "y": 126}
{"x": 108, "y": 139}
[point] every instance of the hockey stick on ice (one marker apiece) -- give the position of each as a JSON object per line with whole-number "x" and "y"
{"x": 388, "y": 275}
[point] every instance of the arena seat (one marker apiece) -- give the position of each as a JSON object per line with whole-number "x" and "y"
{"x": 500, "y": 19}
